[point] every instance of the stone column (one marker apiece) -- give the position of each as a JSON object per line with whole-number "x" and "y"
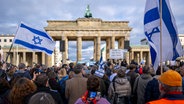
{"x": 4, "y": 55}
{"x": 141, "y": 56}
{"x": 65, "y": 53}
{"x": 138, "y": 58}
{"x": 14, "y": 57}
{"x": 43, "y": 58}
{"x": 55, "y": 55}
{"x": 18, "y": 59}
{"x": 66, "y": 47}
{"x": 113, "y": 42}
{"x": 127, "y": 57}
{"x": 49, "y": 60}
{"x": 149, "y": 58}
{"x": 121, "y": 43}
{"x": 108, "y": 47}
{"x": 24, "y": 57}
{"x": 98, "y": 51}
{"x": 36, "y": 58}
{"x": 132, "y": 55}
{"x": 79, "y": 48}
{"x": 95, "y": 45}
{"x": 33, "y": 57}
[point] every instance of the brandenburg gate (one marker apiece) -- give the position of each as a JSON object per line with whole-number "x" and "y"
{"x": 89, "y": 29}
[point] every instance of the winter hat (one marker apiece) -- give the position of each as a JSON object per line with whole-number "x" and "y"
{"x": 171, "y": 78}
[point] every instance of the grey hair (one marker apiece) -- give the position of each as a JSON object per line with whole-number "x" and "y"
{"x": 168, "y": 88}
{"x": 42, "y": 98}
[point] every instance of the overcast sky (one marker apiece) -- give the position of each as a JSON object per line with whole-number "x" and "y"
{"x": 37, "y": 12}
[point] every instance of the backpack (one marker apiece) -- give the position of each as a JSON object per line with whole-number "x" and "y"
{"x": 116, "y": 98}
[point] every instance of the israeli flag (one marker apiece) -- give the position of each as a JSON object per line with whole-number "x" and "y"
{"x": 171, "y": 46}
{"x": 34, "y": 39}
{"x": 101, "y": 64}
{"x": 100, "y": 72}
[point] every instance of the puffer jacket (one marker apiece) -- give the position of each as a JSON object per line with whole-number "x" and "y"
{"x": 122, "y": 86}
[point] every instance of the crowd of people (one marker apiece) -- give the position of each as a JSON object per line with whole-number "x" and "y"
{"x": 122, "y": 83}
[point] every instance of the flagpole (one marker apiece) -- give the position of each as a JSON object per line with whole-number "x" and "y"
{"x": 17, "y": 56}
{"x": 11, "y": 47}
{"x": 9, "y": 52}
{"x": 161, "y": 68}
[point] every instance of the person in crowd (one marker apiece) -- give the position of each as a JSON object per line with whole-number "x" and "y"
{"x": 140, "y": 68}
{"x": 104, "y": 81}
{"x": 140, "y": 84}
{"x": 120, "y": 89}
{"x": 3, "y": 68}
{"x": 93, "y": 69}
{"x": 10, "y": 71}
{"x": 43, "y": 86}
{"x": 170, "y": 85}
{"x": 63, "y": 77}
{"x": 114, "y": 70}
{"x": 92, "y": 95}
{"x": 42, "y": 98}
{"x": 132, "y": 75}
{"x": 71, "y": 74}
{"x": 109, "y": 69}
{"x": 181, "y": 71}
{"x": 86, "y": 71}
{"x": 21, "y": 72}
{"x": 21, "y": 89}
{"x": 65, "y": 66}
{"x": 152, "y": 89}
{"x": 113, "y": 74}
{"x": 107, "y": 84}
{"x": 53, "y": 84}
{"x": 76, "y": 86}
{"x": 4, "y": 91}
{"x": 71, "y": 67}
{"x": 124, "y": 63}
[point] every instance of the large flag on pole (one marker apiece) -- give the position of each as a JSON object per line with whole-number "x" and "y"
{"x": 34, "y": 39}
{"x": 171, "y": 46}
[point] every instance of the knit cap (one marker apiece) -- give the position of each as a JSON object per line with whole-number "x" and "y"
{"x": 171, "y": 78}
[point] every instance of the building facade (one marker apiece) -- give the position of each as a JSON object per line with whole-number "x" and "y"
{"x": 92, "y": 29}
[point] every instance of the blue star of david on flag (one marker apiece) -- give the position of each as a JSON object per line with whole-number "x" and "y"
{"x": 37, "y": 40}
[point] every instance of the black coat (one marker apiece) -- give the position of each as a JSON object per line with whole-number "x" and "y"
{"x": 53, "y": 93}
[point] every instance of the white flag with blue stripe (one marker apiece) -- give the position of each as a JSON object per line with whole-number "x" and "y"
{"x": 171, "y": 46}
{"x": 34, "y": 39}
{"x": 100, "y": 72}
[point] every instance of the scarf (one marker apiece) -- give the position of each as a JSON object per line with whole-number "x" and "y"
{"x": 85, "y": 98}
